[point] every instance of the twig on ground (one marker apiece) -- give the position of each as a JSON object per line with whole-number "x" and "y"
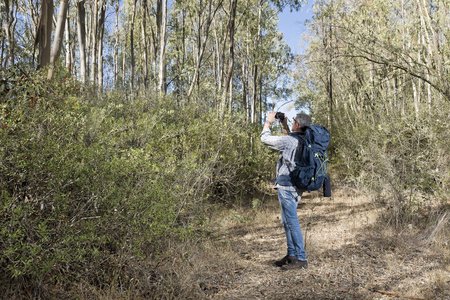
{"x": 395, "y": 295}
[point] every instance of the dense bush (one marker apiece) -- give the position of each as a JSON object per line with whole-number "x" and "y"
{"x": 402, "y": 157}
{"x": 88, "y": 184}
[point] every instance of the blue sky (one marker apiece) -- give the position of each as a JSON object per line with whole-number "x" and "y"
{"x": 292, "y": 25}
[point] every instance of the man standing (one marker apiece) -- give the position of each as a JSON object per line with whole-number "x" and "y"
{"x": 288, "y": 195}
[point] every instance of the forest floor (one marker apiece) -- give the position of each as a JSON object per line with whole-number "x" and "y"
{"x": 352, "y": 254}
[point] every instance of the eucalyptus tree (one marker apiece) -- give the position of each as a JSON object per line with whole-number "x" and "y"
{"x": 19, "y": 20}
{"x": 382, "y": 67}
{"x": 213, "y": 50}
{"x": 373, "y": 55}
{"x": 81, "y": 31}
{"x": 263, "y": 56}
{"x": 144, "y": 39}
{"x": 162, "y": 47}
{"x": 58, "y": 36}
{"x": 7, "y": 13}
{"x": 205, "y": 15}
{"x": 132, "y": 55}
{"x": 44, "y": 33}
{"x": 69, "y": 41}
{"x": 99, "y": 44}
{"x": 116, "y": 46}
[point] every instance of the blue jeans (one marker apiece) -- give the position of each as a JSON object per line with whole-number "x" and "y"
{"x": 289, "y": 218}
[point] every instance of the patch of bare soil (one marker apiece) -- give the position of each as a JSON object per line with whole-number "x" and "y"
{"x": 351, "y": 255}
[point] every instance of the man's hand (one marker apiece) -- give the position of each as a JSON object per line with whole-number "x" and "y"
{"x": 271, "y": 116}
{"x": 269, "y": 120}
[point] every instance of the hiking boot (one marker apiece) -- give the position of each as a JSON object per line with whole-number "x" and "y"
{"x": 295, "y": 264}
{"x": 285, "y": 260}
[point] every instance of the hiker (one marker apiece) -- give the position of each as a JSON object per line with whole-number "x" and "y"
{"x": 288, "y": 194}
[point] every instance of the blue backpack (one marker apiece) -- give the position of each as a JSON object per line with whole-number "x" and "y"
{"x": 311, "y": 157}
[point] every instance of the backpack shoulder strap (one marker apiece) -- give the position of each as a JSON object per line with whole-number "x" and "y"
{"x": 297, "y": 135}
{"x": 301, "y": 141}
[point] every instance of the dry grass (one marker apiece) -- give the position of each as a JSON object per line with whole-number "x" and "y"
{"x": 351, "y": 255}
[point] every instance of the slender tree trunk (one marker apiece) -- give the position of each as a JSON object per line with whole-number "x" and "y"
{"x": 33, "y": 14}
{"x": 180, "y": 46}
{"x": 433, "y": 60}
{"x": 44, "y": 33}
{"x": 81, "y": 28}
{"x": 101, "y": 31}
{"x": 244, "y": 88}
{"x": 2, "y": 53}
{"x": 255, "y": 69}
{"x": 230, "y": 98}
{"x": 93, "y": 39}
{"x": 260, "y": 99}
{"x": 116, "y": 47}
{"x": 231, "y": 27}
{"x": 69, "y": 45}
{"x": 254, "y": 93}
{"x": 218, "y": 61}
{"x": 201, "y": 45}
{"x": 59, "y": 36}
{"x": 162, "y": 50}
{"x": 7, "y": 13}
{"x": 144, "y": 42}
{"x": 330, "y": 81}
{"x": 132, "y": 45}
{"x": 124, "y": 64}
{"x": 155, "y": 35}
{"x": 153, "y": 53}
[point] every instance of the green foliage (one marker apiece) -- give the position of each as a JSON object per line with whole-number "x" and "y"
{"x": 87, "y": 182}
{"x": 366, "y": 77}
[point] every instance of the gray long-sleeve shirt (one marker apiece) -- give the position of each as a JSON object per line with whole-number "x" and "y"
{"x": 287, "y": 146}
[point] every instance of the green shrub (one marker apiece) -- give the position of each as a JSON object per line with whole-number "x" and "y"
{"x": 88, "y": 184}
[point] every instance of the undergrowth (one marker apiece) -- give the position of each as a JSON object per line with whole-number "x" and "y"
{"x": 101, "y": 195}
{"x": 96, "y": 190}
{"x": 400, "y": 158}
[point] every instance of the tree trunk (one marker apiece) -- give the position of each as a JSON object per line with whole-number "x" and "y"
{"x": 217, "y": 60}
{"x": 101, "y": 27}
{"x": 202, "y": 44}
{"x": 132, "y": 45}
{"x": 230, "y": 30}
{"x": 69, "y": 47}
{"x": 162, "y": 50}
{"x": 81, "y": 26}
{"x": 93, "y": 39}
{"x": 255, "y": 70}
{"x": 8, "y": 18}
{"x": 144, "y": 42}
{"x": 244, "y": 88}
{"x": 116, "y": 47}
{"x": 59, "y": 35}
{"x": 330, "y": 80}
{"x": 44, "y": 33}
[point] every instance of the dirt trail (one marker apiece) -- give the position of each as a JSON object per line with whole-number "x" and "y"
{"x": 350, "y": 255}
